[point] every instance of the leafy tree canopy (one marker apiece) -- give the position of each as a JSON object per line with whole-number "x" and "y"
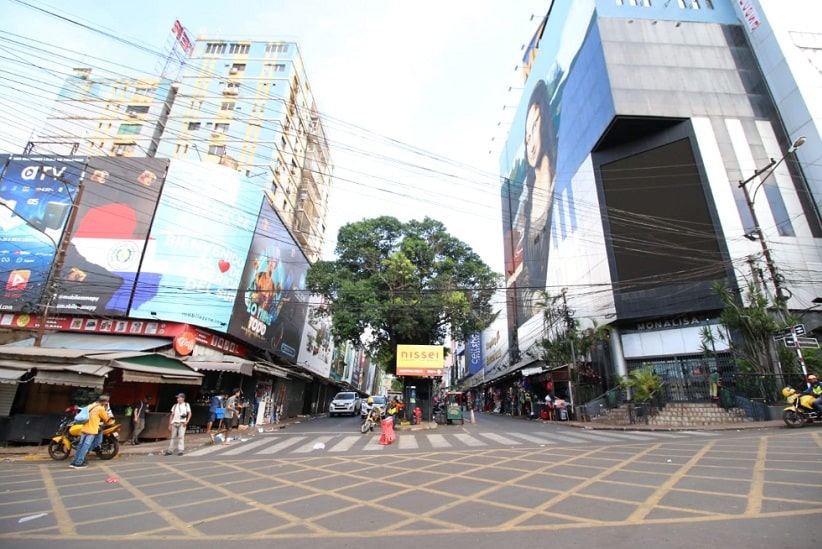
{"x": 402, "y": 283}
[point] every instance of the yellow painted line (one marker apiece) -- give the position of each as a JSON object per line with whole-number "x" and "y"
{"x": 648, "y": 505}
{"x": 755, "y": 494}
{"x": 159, "y": 510}
{"x": 64, "y": 522}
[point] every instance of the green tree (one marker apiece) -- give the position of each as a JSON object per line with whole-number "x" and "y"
{"x": 643, "y": 383}
{"x": 402, "y": 283}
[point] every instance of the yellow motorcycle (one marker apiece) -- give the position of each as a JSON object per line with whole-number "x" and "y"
{"x": 799, "y": 411}
{"x": 68, "y": 437}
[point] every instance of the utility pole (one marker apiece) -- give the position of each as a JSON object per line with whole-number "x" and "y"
{"x": 54, "y": 272}
{"x": 570, "y": 331}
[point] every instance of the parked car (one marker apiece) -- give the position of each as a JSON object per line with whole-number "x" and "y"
{"x": 380, "y": 401}
{"x": 345, "y": 402}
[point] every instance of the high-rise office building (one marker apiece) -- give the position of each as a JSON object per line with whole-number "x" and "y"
{"x": 659, "y": 149}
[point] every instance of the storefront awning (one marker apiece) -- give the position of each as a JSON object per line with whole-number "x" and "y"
{"x": 72, "y": 379}
{"x": 99, "y": 342}
{"x": 244, "y": 367}
{"x": 8, "y": 375}
{"x": 157, "y": 369}
{"x": 100, "y": 370}
{"x": 271, "y": 370}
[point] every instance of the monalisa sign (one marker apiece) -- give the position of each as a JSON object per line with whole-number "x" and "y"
{"x": 667, "y": 324}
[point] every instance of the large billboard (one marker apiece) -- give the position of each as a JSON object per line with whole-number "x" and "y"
{"x": 108, "y": 236}
{"x": 199, "y": 240}
{"x": 37, "y": 195}
{"x": 271, "y": 304}
{"x": 420, "y": 360}
{"x": 537, "y": 163}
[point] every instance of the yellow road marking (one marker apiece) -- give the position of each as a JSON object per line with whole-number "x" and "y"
{"x": 64, "y": 522}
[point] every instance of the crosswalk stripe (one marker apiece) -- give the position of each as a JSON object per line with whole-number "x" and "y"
{"x": 530, "y": 438}
{"x": 345, "y": 444}
{"x": 623, "y": 435}
{"x": 284, "y": 443}
{"x": 407, "y": 442}
{"x": 468, "y": 440}
{"x": 556, "y": 436}
{"x": 240, "y": 448}
{"x": 438, "y": 441}
{"x": 373, "y": 444}
{"x": 701, "y": 433}
{"x": 312, "y": 446}
{"x": 499, "y": 438}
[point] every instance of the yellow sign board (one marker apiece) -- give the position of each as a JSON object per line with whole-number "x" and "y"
{"x": 420, "y": 360}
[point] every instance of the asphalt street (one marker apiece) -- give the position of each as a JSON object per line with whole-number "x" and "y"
{"x": 523, "y": 485}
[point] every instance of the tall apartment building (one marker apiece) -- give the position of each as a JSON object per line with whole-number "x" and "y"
{"x": 641, "y": 126}
{"x": 95, "y": 116}
{"x": 246, "y": 105}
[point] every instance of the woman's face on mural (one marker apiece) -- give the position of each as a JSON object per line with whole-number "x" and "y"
{"x": 533, "y": 135}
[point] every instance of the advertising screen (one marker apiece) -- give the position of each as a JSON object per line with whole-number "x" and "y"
{"x": 317, "y": 347}
{"x": 109, "y": 234}
{"x": 272, "y": 303}
{"x": 36, "y": 195}
{"x": 199, "y": 240}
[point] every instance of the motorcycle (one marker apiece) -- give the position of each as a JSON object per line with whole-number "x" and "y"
{"x": 799, "y": 411}
{"x": 68, "y": 437}
{"x": 373, "y": 417}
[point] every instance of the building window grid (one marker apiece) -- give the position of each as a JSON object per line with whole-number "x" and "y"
{"x": 239, "y": 49}
{"x": 276, "y": 48}
{"x": 216, "y": 48}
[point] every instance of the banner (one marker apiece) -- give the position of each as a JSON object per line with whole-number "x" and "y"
{"x": 37, "y": 195}
{"x": 419, "y": 360}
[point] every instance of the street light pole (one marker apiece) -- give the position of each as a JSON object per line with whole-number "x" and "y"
{"x": 781, "y": 301}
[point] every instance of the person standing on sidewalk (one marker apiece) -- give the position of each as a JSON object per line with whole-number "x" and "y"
{"x": 97, "y": 416}
{"x": 177, "y": 424}
{"x": 139, "y": 419}
{"x": 216, "y": 404}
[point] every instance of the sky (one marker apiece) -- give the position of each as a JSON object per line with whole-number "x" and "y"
{"x": 415, "y": 96}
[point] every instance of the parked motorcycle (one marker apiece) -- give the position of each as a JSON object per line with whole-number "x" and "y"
{"x": 799, "y": 411}
{"x": 68, "y": 437}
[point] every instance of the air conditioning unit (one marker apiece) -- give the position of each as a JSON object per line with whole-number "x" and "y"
{"x": 233, "y": 70}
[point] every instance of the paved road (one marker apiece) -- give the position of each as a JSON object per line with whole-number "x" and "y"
{"x": 757, "y": 488}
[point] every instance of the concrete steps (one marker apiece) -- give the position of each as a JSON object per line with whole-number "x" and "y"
{"x": 674, "y": 414}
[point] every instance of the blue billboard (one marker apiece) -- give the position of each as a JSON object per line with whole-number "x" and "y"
{"x": 36, "y": 196}
{"x": 198, "y": 244}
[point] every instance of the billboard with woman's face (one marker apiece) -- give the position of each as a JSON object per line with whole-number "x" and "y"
{"x": 536, "y": 166}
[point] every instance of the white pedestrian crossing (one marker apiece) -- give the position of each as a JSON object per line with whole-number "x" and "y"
{"x": 446, "y": 438}
{"x": 345, "y": 444}
{"x": 468, "y": 440}
{"x": 500, "y": 439}
{"x": 281, "y": 445}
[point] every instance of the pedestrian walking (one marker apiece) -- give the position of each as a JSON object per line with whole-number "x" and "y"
{"x": 139, "y": 419}
{"x": 231, "y": 418}
{"x": 177, "y": 424}
{"x": 213, "y": 409}
{"x": 97, "y": 417}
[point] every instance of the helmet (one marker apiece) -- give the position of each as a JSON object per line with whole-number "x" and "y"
{"x": 370, "y": 400}
{"x": 788, "y": 391}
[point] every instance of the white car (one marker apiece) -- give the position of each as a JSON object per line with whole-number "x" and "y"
{"x": 345, "y": 402}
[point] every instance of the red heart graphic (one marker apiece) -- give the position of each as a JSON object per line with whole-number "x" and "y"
{"x": 223, "y": 265}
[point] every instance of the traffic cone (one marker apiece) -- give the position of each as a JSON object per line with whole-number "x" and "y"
{"x": 472, "y": 420}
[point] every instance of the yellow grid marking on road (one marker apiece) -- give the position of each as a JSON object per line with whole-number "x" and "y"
{"x": 64, "y": 523}
{"x": 758, "y": 480}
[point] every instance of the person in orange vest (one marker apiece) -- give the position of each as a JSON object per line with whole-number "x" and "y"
{"x": 97, "y": 416}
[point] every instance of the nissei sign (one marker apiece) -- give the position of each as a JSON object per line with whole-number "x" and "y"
{"x": 420, "y": 360}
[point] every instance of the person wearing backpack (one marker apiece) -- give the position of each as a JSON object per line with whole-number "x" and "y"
{"x": 97, "y": 416}
{"x": 177, "y": 424}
